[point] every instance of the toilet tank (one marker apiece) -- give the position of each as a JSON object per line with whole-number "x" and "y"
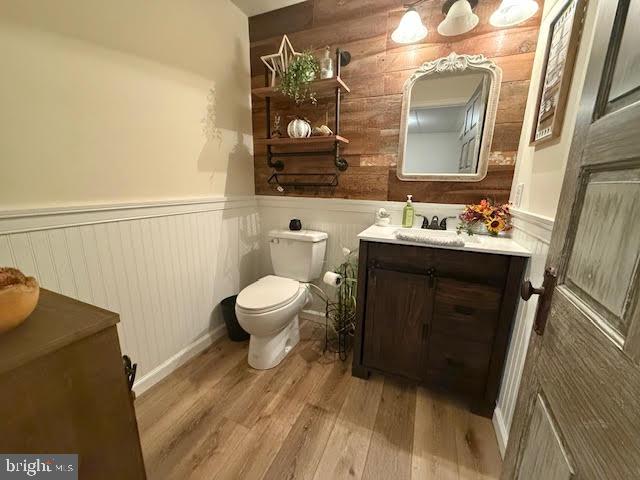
{"x": 298, "y": 254}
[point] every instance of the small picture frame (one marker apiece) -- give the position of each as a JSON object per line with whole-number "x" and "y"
{"x": 560, "y": 56}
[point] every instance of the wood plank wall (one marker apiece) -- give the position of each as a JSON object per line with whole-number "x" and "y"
{"x": 376, "y": 74}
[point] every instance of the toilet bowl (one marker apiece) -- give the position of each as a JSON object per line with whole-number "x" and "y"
{"x": 268, "y": 310}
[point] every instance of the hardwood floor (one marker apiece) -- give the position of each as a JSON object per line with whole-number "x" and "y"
{"x": 215, "y": 417}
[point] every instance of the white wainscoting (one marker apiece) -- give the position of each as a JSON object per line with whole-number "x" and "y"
{"x": 534, "y": 233}
{"x": 164, "y": 267}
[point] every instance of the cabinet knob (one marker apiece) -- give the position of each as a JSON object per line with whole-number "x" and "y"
{"x": 432, "y": 274}
{"x": 130, "y": 370}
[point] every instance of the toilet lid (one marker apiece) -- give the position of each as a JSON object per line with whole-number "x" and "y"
{"x": 268, "y": 293}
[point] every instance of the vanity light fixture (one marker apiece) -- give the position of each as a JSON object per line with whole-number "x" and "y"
{"x": 411, "y": 29}
{"x": 459, "y": 18}
{"x": 513, "y": 12}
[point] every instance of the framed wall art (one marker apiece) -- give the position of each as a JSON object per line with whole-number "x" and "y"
{"x": 561, "y": 51}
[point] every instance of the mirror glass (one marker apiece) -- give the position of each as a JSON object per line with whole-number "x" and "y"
{"x": 445, "y": 123}
{"x": 446, "y": 118}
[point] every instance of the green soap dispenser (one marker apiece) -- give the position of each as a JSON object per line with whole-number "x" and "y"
{"x": 408, "y": 213}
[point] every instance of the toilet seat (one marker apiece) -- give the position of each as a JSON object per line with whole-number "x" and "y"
{"x": 267, "y": 294}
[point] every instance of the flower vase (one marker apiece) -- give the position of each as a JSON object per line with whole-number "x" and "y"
{"x": 479, "y": 228}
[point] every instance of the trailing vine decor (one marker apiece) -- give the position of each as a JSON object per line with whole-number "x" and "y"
{"x": 341, "y": 313}
{"x": 296, "y": 81}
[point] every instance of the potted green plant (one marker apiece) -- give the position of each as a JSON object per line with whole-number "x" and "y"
{"x": 296, "y": 81}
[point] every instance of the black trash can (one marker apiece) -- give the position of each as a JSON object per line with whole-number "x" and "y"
{"x": 234, "y": 330}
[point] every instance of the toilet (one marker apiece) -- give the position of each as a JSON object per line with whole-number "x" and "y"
{"x": 268, "y": 309}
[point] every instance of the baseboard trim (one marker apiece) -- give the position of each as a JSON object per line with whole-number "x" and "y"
{"x": 183, "y": 356}
{"x": 501, "y": 431}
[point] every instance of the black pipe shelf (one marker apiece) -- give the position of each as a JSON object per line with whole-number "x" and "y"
{"x": 312, "y": 146}
{"x": 287, "y": 141}
{"x": 280, "y": 180}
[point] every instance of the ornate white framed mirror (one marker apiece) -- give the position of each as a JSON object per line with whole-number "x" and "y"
{"x": 448, "y": 113}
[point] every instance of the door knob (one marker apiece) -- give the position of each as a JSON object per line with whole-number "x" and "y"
{"x": 528, "y": 290}
{"x": 546, "y": 294}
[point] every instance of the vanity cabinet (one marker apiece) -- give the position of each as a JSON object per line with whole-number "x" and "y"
{"x": 436, "y": 316}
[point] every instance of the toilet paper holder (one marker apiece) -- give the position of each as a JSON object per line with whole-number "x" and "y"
{"x": 332, "y": 278}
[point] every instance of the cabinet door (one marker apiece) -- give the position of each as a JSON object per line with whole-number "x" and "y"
{"x": 398, "y": 309}
{"x": 465, "y": 315}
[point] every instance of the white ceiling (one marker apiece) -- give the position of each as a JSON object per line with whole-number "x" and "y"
{"x": 436, "y": 119}
{"x": 256, "y": 7}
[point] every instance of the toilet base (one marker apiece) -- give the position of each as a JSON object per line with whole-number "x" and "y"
{"x": 268, "y": 352}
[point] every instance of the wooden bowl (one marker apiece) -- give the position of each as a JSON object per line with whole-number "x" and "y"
{"x": 17, "y": 302}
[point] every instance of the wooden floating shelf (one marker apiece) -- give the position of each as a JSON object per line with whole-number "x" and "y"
{"x": 284, "y": 141}
{"x": 323, "y": 88}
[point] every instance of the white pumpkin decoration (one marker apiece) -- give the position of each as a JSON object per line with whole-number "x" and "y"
{"x": 299, "y": 128}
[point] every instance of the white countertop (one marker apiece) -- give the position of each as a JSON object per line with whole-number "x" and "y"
{"x": 475, "y": 243}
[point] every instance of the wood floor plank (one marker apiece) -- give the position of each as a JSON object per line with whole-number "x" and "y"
{"x": 301, "y": 451}
{"x": 216, "y": 418}
{"x": 176, "y": 427}
{"x": 176, "y": 393}
{"x": 331, "y": 394}
{"x": 202, "y": 453}
{"x": 434, "y": 441}
{"x": 257, "y": 450}
{"x": 478, "y": 455}
{"x": 346, "y": 451}
{"x": 247, "y": 408}
{"x": 391, "y": 447}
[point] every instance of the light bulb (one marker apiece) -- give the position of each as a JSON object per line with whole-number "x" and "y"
{"x": 513, "y": 12}
{"x": 460, "y": 19}
{"x": 411, "y": 29}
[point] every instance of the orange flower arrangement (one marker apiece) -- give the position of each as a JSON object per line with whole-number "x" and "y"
{"x": 495, "y": 217}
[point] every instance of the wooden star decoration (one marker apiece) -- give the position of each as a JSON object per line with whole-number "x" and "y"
{"x": 278, "y": 62}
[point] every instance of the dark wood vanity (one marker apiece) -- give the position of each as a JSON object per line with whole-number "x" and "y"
{"x": 436, "y": 316}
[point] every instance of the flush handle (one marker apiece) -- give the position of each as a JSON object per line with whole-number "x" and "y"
{"x": 546, "y": 295}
